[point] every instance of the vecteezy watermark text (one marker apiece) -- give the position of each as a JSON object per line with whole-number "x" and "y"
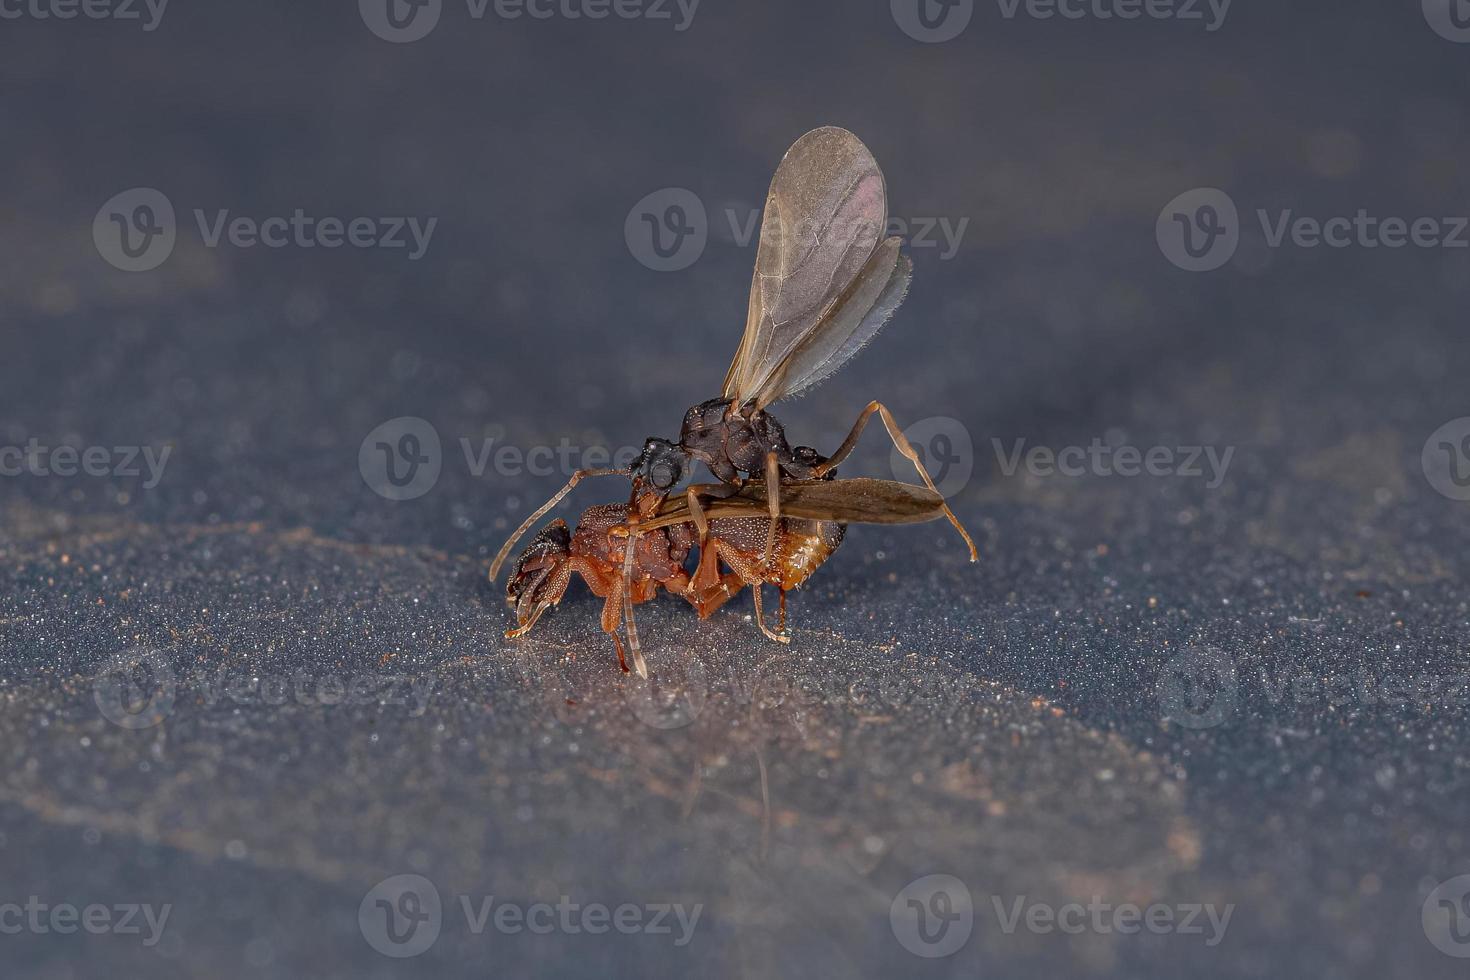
{"x": 35, "y": 459}
{"x": 1104, "y": 918}
{"x": 403, "y": 458}
{"x": 136, "y": 230}
{"x": 933, "y": 917}
{"x": 1200, "y": 230}
{"x": 64, "y": 918}
{"x": 403, "y": 21}
{"x": 148, "y": 12}
{"x": 403, "y": 915}
{"x": 1202, "y": 687}
{"x": 1099, "y": 458}
{"x": 668, "y": 230}
{"x": 139, "y": 688}
{"x": 935, "y": 21}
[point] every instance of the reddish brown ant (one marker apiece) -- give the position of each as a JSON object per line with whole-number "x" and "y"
{"x": 657, "y": 536}
{"x": 825, "y": 282}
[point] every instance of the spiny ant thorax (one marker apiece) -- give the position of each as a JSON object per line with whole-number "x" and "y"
{"x": 734, "y": 442}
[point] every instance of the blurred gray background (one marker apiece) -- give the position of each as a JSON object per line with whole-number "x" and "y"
{"x": 1166, "y": 690}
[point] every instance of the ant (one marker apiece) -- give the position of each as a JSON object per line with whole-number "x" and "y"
{"x": 825, "y": 282}
{"x": 654, "y": 538}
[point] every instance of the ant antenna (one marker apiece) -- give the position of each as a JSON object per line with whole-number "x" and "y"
{"x": 500, "y": 556}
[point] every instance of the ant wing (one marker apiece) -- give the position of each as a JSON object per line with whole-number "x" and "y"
{"x": 819, "y": 268}
{"x": 854, "y": 321}
{"x": 855, "y": 501}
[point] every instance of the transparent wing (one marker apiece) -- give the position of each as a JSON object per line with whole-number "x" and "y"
{"x": 853, "y": 321}
{"x": 856, "y": 501}
{"x": 825, "y": 213}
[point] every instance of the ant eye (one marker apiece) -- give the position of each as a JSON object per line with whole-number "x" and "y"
{"x": 663, "y": 475}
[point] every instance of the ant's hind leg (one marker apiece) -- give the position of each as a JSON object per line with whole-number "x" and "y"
{"x": 707, "y": 600}
{"x": 755, "y": 588}
{"x": 906, "y": 448}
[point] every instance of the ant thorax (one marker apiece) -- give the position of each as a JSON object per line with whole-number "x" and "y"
{"x": 733, "y": 440}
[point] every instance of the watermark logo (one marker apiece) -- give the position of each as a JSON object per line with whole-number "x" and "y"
{"x": 401, "y": 459}
{"x": 148, "y": 12}
{"x": 137, "y": 689}
{"x": 1446, "y": 459}
{"x": 401, "y": 916}
{"x": 1107, "y": 459}
{"x": 1199, "y": 230}
{"x": 1202, "y": 687}
{"x": 944, "y": 447}
{"x": 918, "y": 232}
{"x": 1198, "y": 688}
{"x": 933, "y": 916}
{"x": 1450, "y": 19}
{"x": 932, "y": 21}
{"x": 667, "y": 230}
{"x": 135, "y": 230}
{"x": 1105, "y": 918}
{"x": 403, "y": 21}
{"x": 1446, "y": 917}
{"x": 935, "y": 21}
{"x": 400, "y": 21}
{"x": 1211, "y": 13}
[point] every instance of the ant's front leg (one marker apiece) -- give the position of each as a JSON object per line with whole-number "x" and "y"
{"x": 773, "y": 504}
{"x": 710, "y": 491}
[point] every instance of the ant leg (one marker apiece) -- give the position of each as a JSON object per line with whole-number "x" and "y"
{"x": 612, "y": 617}
{"x": 697, "y": 513}
{"x": 554, "y": 591}
{"x": 551, "y": 592}
{"x": 745, "y": 567}
{"x": 781, "y": 620}
{"x": 626, "y": 587}
{"x": 906, "y": 448}
{"x": 706, "y": 571}
{"x": 696, "y": 492}
{"x": 755, "y": 588}
{"x": 556, "y": 498}
{"x": 773, "y": 504}
{"x": 707, "y": 601}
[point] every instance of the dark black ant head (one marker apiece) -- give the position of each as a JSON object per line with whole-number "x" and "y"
{"x": 661, "y": 465}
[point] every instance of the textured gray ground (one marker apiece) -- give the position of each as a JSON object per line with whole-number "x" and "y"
{"x": 1001, "y": 722}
